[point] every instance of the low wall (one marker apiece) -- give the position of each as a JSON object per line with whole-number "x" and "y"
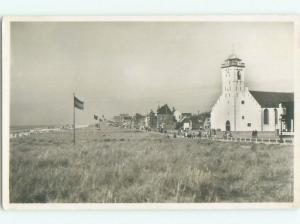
{"x": 248, "y": 134}
{"x": 235, "y": 134}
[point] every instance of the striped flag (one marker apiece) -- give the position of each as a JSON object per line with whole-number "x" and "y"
{"x": 78, "y": 103}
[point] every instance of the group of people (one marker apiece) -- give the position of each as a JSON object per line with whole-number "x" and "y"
{"x": 194, "y": 134}
{"x": 254, "y": 134}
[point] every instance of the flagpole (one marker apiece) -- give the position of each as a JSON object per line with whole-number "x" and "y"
{"x": 74, "y": 118}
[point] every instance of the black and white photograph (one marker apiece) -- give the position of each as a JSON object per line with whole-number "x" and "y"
{"x": 160, "y": 112}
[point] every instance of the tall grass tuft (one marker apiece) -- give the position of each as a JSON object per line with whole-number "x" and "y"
{"x": 113, "y": 166}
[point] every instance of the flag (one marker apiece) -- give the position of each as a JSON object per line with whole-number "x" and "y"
{"x": 95, "y": 117}
{"x": 78, "y": 103}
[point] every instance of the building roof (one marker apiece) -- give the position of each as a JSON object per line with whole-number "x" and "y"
{"x": 165, "y": 109}
{"x": 194, "y": 119}
{"x": 186, "y": 114}
{"x": 151, "y": 113}
{"x": 233, "y": 60}
{"x": 233, "y": 57}
{"x": 185, "y": 120}
{"x": 272, "y": 99}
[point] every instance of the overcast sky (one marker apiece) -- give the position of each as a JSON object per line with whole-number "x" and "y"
{"x": 121, "y": 67}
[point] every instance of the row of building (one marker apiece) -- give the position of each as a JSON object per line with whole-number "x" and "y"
{"x": 237, "y": 109}
{"x": 164, "y": 118}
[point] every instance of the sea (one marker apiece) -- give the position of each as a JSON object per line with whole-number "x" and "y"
{"x": 27, "y": 130}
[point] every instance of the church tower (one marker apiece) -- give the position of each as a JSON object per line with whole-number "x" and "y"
{"x": 237, "y": 109}
{"x": 233, "y": 87}
{"x": 233, "y": 76}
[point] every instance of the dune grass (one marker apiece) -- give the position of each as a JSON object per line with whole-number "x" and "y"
{"x": 115, "y": 165}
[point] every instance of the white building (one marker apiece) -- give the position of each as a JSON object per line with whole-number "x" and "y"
{"x": 239, "y": 109}
{"x": 187, "y": 124}
{"x": 177, "y": 115}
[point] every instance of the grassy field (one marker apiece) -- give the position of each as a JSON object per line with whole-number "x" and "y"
{"x": 119, "y": 165}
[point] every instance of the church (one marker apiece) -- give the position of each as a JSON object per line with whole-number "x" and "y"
{"x": 240, "y": 109}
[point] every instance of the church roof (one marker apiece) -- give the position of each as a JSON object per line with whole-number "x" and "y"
{"x": 233, "y": 57}
{"x": 272, "y": 99}
{"x": 233, "y": 60}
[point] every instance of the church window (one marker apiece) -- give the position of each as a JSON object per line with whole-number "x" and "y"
{"x": 266, "y": 116}
{"x": 276, "y": 116}
{"x": 238, "y": 75}
{"x": 284, "y": 111}
{"x": 249, "y": 124}
{"x": 243, "y": 117}
{"x": 242, "y": 102}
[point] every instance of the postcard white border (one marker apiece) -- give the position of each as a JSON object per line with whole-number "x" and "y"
{"x": 142, "y": 206}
